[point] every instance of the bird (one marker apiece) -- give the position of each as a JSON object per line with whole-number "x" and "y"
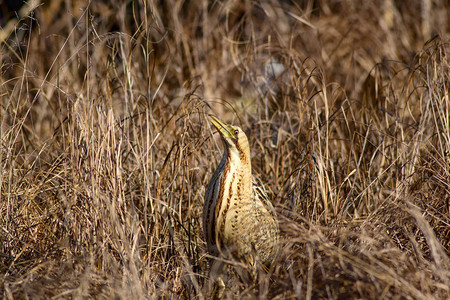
{"x": 239, "y": 221}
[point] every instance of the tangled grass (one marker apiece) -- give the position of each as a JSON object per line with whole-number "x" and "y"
{"x": 105, "y": 149}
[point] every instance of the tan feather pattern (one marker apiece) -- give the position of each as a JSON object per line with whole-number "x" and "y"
{"x": 238, "y": 219}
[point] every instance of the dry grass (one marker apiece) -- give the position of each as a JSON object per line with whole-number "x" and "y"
{"x": 105, "y": 149}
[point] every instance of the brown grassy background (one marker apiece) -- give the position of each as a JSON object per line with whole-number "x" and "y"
{"x": 105, "y": 149}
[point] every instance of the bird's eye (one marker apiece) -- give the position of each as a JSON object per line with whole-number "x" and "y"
{"x": 236, "y": 132}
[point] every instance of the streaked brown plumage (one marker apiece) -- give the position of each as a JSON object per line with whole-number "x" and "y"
{"x": 238, "y": 220}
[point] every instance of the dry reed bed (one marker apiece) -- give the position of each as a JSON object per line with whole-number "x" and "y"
{"x": 105, "y": 149}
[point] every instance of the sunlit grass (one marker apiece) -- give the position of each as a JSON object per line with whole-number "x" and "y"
{"x": 105, "y": 150}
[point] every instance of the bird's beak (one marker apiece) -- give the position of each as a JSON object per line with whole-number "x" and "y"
{"x": 221, "y": 127}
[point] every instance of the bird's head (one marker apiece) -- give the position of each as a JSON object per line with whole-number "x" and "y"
{"x": 233, "y": 137}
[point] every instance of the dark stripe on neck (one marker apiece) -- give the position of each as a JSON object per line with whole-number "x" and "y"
{"x": 228, "y": 202}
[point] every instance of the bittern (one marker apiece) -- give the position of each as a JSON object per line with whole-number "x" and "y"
{"x": 238, "y": 219}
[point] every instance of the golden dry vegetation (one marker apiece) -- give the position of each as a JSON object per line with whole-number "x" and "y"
{"x": 105, "y": 148}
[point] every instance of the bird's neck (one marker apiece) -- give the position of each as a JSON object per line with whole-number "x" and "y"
{"x": 241, "y": 165}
